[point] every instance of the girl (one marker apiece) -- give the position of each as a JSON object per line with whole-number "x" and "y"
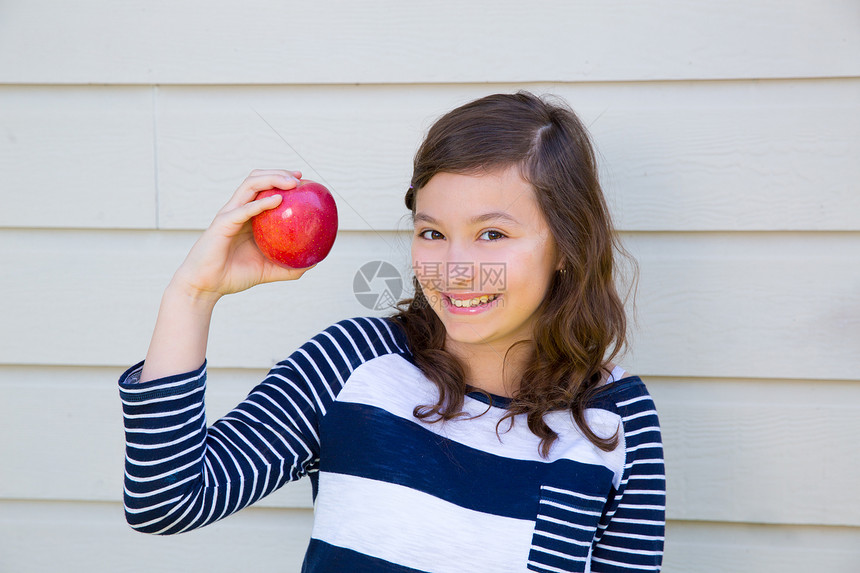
{"x": 481, "y": 428}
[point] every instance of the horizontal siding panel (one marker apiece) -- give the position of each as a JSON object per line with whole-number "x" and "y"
{"x": 748, "y": 305}
{"x": 777, "y": 155}
{"x": 91, "y": 298}
{"x": 77, "y": 156}
{"x": 766, "y": 451}
{"x": 732, "y": 446}
{"x": 73, "y": 445}
{"x": 698, "y": 547}
{"x": 87, "y": 537}
{"x": 334, "y": 41}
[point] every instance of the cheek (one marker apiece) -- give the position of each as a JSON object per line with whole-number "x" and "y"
{"x": 425, "y": 269}
{"x": 529, "y": 272}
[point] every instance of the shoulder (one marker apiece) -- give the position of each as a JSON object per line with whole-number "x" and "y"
{"x": 627, "y": 397}
{"x": 322, "y": 366}
{"x": 358, "y": 340}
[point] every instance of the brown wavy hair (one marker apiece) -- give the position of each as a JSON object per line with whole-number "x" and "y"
{"x": 581, "y": 324}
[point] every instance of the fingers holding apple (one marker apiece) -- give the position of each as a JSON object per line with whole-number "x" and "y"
{"x": 260, "y": 180}
{"x": 300, "y": 230}
{"x": 226, "y": 258}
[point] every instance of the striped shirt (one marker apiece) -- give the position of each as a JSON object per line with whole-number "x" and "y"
{"x": 394, "y": 494}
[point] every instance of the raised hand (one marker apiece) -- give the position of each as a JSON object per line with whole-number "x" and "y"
{"x": 225, "y": 258}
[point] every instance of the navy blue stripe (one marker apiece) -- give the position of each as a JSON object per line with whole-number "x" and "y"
{"x": 369, "y": 442}
{"x": 626, "y": 557}
{"x": 560, "y": 546}
{"x": 610, "y": 395}
{"x": 557, "y": 562}
{"x": 323, "y": 557}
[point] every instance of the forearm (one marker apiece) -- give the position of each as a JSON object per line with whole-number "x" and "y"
{"x": 181, "y": 332}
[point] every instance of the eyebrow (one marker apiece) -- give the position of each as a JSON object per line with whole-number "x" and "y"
{"x": 491, "y": 216}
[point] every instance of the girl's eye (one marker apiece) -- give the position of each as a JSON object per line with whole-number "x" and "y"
{"x": 492, "y": 235}
{"x": 430, "y": 234}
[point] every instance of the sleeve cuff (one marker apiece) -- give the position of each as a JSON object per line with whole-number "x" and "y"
{"x": 173, "y": 384}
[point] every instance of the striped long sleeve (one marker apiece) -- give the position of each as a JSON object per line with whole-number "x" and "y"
{"x": 181, "y": 474}
{"x": 630, "y": 536}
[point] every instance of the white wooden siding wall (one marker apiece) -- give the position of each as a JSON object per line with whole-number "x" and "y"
{"x": 729, "y": 139}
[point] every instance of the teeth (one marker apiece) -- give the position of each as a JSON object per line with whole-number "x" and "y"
{"x": 474, "y": 302}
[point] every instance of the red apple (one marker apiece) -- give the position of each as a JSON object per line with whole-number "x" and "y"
{"x": 301, "y": 230}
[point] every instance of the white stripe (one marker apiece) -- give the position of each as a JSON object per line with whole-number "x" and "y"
{"x": 637, "y": 462}
{"x": 610, "y": 533}
{"x": 562, "y": 522}
{"x": 647, "y": 445}
{"x": 642, "y": 431}
{"x": 574, "y": 493}
{"x": 157, "y": 491}
{"x": 621, "y": 549}
{"x": 162, "y": 460}
{"x": 189, "y": 436}
{"x": 397, "y": 524}
{"x": 639, "y": 415}
{"x": 642, "y": 492}
{"x": 557, "y": 553}
{"x": 639, "y": 521}
{"x": 633, "y": 401}
{"x": 151, "y": 507}
{"x": 167, "y": 429}
{"x": 646, "y": 477}
{"x": 644, "y": 507}
{"x": 562, "y": 538}
{"x": 569, "y": 508}
{"x": 172, "y": 471}
{"x": 162, "y": 414}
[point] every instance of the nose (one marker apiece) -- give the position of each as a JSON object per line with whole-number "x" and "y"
{"x": 459, "y": 267}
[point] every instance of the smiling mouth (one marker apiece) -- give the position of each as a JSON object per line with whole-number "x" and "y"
{"x": 471, "y": 302}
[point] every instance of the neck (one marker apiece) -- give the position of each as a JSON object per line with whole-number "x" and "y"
{"x": 492, "y": 368}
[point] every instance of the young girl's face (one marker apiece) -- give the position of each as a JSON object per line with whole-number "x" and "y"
{"x": 483, "y": 254}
